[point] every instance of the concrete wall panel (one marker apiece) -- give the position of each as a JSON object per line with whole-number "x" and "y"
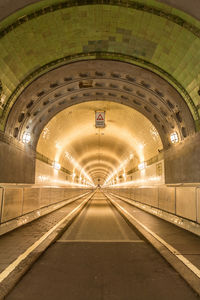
{"x": 45, "y": 196}
{"x": 12, "y": 204}
{"x": 67, "y": 193}
{"x": 56, "y": 195}
{"x": 181, "y": 201}
{"x": 138, "y": 195}
{"x": 186, "y": 202}
{"x": 182, "y": 161}
{"x": 17, "y": 165}
{"x": 18, "y": 201}
{"x": 31, "y": 199}
{"x": 132, "y": 194}
{"x": 149, "y": 196}
{"x": 166, "y": 196}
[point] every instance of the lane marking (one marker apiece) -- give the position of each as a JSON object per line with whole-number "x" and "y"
{"x": 17, "y": 261}
{"x": 100, "y": 241}
{"x": 186, "y": 262}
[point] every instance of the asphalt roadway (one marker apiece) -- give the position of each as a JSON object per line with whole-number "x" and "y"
{"x": 101, "y": 257}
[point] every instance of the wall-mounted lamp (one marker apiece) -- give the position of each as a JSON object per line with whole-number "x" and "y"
{"x": 142, "y": 165}
{"x": 56, "y": 165}
{"x": 26, "y": 138}
{"x": 131, "y": 156}
{"x": 174, "y": 137}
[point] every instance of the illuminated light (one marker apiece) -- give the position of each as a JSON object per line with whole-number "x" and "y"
{"x": 58, "y": 146}
{"x": 154, "y": 133}
{"x": 142, "y": 165}
{"x": 45, "y": 133}
{"x": 139, "y": 181}
{"x": 64, "y": 183}
{"x": 124, "y": 175}
{"x": 78, "y": 167}
{"x": 56, "y": 165}
{"x": 3, "y": 97}
{"x": 121, "y": 166}
{"x": 26, "y": 137}
{"x": 141, "y": 146}
{"x": 174, "y": 138}
{"x": 43, "y": 178}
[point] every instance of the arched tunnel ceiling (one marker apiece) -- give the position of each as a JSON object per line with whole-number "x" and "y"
{"x": 100, "y": 80}
{"x": 154, "y": 36}
{"x": 71, "y": 138}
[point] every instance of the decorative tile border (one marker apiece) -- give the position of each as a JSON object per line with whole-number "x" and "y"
{"x": 128, "y": 4}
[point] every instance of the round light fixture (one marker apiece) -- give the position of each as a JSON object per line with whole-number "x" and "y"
{"x": 26, "y": 138}
{"x": 174, "y": 137}
{"x": 56, "y": 165}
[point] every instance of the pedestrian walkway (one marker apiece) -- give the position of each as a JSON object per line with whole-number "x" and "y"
{"x": 183, "y": 244}
{"x": 101, "y": 257}
{"x": 15, "y": 243}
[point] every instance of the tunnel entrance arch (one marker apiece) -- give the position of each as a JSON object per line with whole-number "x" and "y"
{"x": 91, "y": 80}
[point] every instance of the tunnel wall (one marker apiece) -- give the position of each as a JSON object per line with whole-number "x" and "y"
{"x": 45, "y": 173}
{"x": 153, "y": 173}
{"x": 17, "y": 163}
{"x": 182, "y": 162}
{"x": 177, "y": 204}
{"x": 21, "y": 204}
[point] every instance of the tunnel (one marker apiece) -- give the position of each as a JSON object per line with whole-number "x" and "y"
{"x": 100, "y": 123}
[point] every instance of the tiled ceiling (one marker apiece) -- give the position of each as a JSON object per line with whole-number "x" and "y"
{"x": 147, "y": 33}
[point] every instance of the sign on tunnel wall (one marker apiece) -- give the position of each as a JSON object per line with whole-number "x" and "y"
{"x": 100, "y": 119}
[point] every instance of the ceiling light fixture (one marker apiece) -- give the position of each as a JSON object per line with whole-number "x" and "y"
{"x": 56, "y": 165}
{"x": 142, "y": 165}
{"x": 26, "y": 138}
{"x": 174, "y": 137}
